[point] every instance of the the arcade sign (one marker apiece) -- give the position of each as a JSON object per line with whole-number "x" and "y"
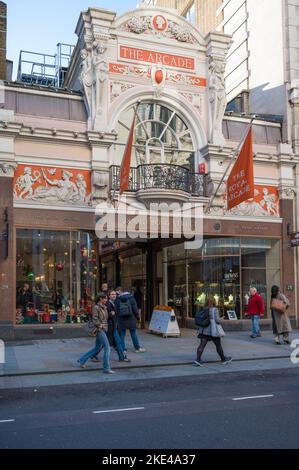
{"x": 153, "y": 57}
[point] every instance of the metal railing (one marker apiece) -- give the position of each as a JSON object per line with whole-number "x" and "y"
{"x": 45, "y": 69}
{"x": 160, "y": 176}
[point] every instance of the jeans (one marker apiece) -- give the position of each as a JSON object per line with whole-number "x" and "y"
{"x": 101, "y": 343}
{"x": 204, "y": 342}
{"x": 255, "y": 324}
{"x": 134, "y": 337}
{"x": 119, "y": 345}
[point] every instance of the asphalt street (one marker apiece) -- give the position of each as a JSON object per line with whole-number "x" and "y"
{"x": 228, "y": 411}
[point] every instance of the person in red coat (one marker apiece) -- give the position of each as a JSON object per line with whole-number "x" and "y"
{"x": 255, "y": 310}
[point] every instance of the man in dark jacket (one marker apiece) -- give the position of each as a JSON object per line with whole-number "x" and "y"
{"x": 128, "y": 315}
{"x": 113, "y": 333}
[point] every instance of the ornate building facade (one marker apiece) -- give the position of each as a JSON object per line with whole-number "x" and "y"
{"x": 60, "y": 156}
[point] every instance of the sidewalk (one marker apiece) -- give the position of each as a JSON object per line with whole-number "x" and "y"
{"x": 44, "y": 357}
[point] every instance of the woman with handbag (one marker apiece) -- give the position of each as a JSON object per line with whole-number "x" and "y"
{"x": 100, "y": 323}
{"x": 213, "y": 332}
{"x": 280, "y": 321}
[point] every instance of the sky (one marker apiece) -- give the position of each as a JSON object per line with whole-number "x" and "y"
{"x": 38, "y": 25}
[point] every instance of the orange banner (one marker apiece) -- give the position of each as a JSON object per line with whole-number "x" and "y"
{"x": 153, "y": 57}
{"x": 126, "y": 162}
{"x": 240, "y": 183}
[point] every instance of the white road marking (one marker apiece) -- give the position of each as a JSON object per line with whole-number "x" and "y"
{"x": 253, "y": 398}
{"x": 118, "y": 411}
{"x": 7, "y": 421}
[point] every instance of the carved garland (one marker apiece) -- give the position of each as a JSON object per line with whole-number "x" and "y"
{"x": 143, "y": 24}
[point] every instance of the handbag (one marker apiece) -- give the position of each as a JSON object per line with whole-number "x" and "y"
{"x": 91, "y": 329}
{"x": 279, "y": 305}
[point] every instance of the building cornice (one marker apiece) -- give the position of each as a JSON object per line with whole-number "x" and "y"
{"x": 57, "y": 136}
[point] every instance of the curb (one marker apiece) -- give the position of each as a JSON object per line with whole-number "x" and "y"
{"x": 123, "y": 368}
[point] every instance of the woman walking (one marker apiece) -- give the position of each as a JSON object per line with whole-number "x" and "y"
{"x": 213, "y": 332}
{"x": 280, "y": 321}
{"x": 100, "y": 321}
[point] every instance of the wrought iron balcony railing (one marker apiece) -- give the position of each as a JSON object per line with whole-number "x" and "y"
{"x": 160, "y": 176}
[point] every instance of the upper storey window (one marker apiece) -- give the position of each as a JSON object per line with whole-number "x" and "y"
{"x": 161, "y": 136}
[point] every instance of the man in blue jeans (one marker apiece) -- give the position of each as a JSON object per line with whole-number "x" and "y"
{"x": 128, "y": 315}
{"x": 255, "y": 310}
{"x": 100, "y": 320}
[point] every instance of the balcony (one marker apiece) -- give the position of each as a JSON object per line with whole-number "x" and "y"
{"x": 161, "y": 182}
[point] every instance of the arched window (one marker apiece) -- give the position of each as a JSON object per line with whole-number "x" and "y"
{"x": 161, "y": 136}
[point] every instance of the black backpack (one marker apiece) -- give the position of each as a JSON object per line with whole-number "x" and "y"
{"x": 125, "y": 309}
{"x": 202, "y": 318}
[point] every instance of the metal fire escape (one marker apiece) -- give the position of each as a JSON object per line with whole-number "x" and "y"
{"x": 45, "y": 69}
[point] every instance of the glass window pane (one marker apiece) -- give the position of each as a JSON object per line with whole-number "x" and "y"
{"x": 56, "y": 275}
{"x": 221, "y": 246}
{"x": 260, "y": 253}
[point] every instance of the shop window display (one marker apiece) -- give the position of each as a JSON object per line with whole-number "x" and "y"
{"x": 56, "y": 276}
{"x": 224, "y": 268}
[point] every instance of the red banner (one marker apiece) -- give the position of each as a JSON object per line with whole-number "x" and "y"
{"x": 126, "y": 163}
{"x": 240, "y": 183}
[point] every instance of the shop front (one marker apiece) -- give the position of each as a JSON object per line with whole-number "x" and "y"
{"x": 56, "y": 276}
{"x": 223, "y": 268}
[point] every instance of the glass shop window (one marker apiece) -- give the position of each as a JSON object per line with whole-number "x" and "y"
{"x": 56, "y": 276}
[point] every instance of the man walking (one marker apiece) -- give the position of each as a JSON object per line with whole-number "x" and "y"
{"x": 128, "y": 315}
{"x": 255, "y": 310}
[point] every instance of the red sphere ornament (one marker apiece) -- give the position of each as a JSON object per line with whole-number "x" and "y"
{"x": 159, "y": 77}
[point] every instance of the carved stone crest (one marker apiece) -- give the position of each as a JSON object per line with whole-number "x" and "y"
{"x": 100, "y": 182}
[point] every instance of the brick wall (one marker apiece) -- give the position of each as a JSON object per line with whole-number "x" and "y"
{"x": 3, "y": 30}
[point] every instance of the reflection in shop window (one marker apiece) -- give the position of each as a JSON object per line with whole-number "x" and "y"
{"x": 56, "y": 276}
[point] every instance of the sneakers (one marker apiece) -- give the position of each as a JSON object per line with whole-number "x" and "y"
{"x": 253, "y": 336}
{"x": 125, "y": 360}
{"x": 227, "y": 360}
{"x": 140, "y": 350}
{"x": 198, "y": 363}
{"x": 81, "y": 364}
{"x": 109, "y": 371}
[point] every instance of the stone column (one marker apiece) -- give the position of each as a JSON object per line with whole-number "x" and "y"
{"x": 7, "y": 284}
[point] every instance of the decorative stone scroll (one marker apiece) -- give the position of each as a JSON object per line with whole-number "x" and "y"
{"x": 7, "y": 169}
{"x": 146, "y": 72}
{"x": 159, "y": 26}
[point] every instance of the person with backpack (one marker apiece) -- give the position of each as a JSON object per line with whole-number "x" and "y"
{"x": 128, "y": 316}
{"x": 210, "y": 329}
{"x": 113, "y": 328}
